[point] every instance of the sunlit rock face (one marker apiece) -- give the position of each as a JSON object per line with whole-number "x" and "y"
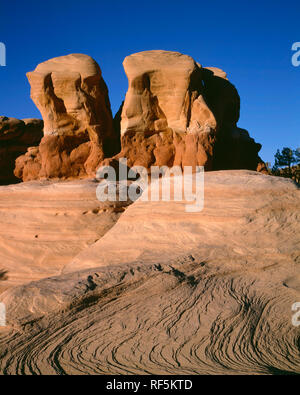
{"x": 73, "y": 99}
{"x": 175, "y": 113}
{"x": 178, "y": 113}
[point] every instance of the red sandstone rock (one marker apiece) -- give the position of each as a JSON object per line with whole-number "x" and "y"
{"x": 73, "y": 99}
{"x": 15, "y": 138}
{"x": 178, "y": 113}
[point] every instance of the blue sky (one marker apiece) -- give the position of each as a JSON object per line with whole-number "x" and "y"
{"x": 250, "y": 40}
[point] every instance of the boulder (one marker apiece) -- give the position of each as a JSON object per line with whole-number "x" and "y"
{"x": 16, "y": 136}
{"x": 73, "y": 99}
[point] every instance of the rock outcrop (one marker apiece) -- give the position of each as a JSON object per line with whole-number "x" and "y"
{"x": 16, "y": 136}
{"x": 73, "y": 99}
{"x": 178, "y": 113}
{"x": 170, "y": 292}
{"x": 44, "y": 224}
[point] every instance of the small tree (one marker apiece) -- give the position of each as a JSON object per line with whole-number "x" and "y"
{"x": 297, "y": 170}
{"x": 297, "y": 155}
{"x": 285, "y": 158}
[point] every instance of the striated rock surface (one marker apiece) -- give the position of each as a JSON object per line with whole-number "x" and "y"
{"x": 178, "y": 113}
{"x": 171, "y": 292}
{"x": 16, "y": 136}
{"x": 73, "y": 99}
{"x": 43, "y": 225}
{"x": 258, "y": 213}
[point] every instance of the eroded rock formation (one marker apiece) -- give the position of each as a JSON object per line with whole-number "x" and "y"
{"x": 16, "y": 136}
{"x": 203, "y": 293}
{"x": 73, "y": 99}
{"x": 178, "y": 113}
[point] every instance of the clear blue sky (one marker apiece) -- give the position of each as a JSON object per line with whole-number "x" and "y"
{"x": 250, "y": 40}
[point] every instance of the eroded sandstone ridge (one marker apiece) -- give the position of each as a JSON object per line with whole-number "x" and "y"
{"x": 73, "y": 99}
{"x": 170, "y": 292}
{"x": 178, "y": 113}
{"x": 44, "y": 224}
{"x": 16, "y": 136}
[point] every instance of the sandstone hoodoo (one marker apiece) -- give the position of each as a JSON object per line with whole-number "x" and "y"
{"x": 16, "y": 136}
{"x": 73, "y": 99}
{"x": 177, "y": 112}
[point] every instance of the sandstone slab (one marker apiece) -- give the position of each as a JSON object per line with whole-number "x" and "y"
{"x": 170, "y": 292}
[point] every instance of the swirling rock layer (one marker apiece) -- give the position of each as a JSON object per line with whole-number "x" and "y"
{"x": 172, "y": 292}
{"x": 181, "y": 318}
